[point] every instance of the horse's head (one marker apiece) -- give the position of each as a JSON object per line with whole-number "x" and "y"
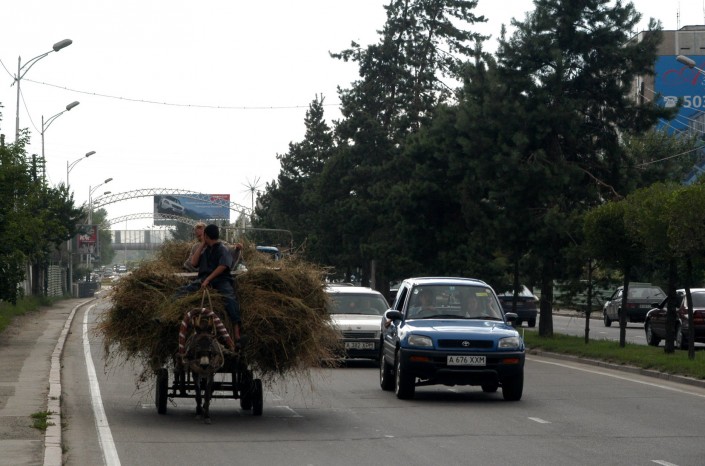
{"x": 206, "y": 353}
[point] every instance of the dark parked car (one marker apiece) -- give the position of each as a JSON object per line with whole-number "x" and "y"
{"x": 527, "y": 305}
{"x": 641, "y": 299}
{"x": 450, "y": 331}
{"x": 655, "y": 324}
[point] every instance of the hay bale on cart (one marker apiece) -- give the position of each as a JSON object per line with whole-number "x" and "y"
{"x": 286, "y": 328}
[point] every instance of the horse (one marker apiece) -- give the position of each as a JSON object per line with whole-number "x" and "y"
{"x": 203, "y": 355}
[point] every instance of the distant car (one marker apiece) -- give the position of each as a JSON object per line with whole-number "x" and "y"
{"x": 527, "y": 305}
{"x": 655, "y": 324}
{"x": 273, "y": 251}
{"x": 450, "y": 331}
{"x": 641, "y": 299}
{"x": 356, "y": 312}
{"x": 171, "y": 205}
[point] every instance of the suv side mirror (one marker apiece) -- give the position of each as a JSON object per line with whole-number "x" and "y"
{"x": 392, "y": 314}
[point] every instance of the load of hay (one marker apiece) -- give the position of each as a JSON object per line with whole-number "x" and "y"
{"x": 285, "y": 326}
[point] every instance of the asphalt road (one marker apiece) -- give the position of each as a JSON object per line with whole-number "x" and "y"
{"x": 570, "y": 414}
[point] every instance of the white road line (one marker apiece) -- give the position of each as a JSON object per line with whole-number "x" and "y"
{"x": 615, "y": 376}
{"x": 663, "y": 463}
{"x": 105, "y": 436}
{"x": 539, "y": 420}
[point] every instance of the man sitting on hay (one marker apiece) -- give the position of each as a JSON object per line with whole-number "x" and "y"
{"x": 214, "y": 262}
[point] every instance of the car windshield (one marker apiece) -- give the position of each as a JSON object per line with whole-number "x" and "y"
{"x": 454, "y": 302}
{"x": 363, "y": 304}
{"x": 650, "y": 292}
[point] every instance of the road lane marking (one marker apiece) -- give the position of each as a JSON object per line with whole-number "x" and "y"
{"x": 105, "y": 436}
{"x": 539, "y": 420}
{"x": 663, "y": 463}
{"x": 615, "y": 376}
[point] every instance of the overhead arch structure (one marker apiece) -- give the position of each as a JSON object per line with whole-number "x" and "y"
{"x": 102, "y": 201}
{"x": 143, "y": 215}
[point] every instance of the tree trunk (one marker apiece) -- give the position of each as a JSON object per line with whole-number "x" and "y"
{"x": 589, "y": 303}
{"x": 671, "y": 307}
{"x": 689, "y": 298}
{"x": 623, "y": 309}
{"x": 546, "y": 312}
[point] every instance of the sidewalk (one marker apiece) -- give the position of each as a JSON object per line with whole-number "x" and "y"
{"x": 26, "y": 349}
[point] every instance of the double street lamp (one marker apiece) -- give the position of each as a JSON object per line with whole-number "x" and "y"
{"x": 90, "y": 199}
{"x": 20, "y": 74}
{"x": 89, "y": 258}
{"x": 69, "y": 166}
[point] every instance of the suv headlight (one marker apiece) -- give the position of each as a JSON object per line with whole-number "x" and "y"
{"x": 510, "y": 343}
{"x": 420, "y": 340}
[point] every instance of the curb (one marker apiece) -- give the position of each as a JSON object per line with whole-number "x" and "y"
{"x": 53, "y": 451}
{"x": 620, "y": 367}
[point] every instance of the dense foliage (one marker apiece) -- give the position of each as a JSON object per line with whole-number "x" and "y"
{"x": 35, "y": 219}
{"x": 491, "y": 178}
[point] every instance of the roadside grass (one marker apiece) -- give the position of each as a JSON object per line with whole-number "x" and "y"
{"x": 8, "y": 311}
{"x": 641, "y": 356}
{"x": 40, "y": 421}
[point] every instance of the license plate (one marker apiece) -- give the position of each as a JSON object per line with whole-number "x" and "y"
{"x": 467, "y": 361}
{"x": 359, "y": 345}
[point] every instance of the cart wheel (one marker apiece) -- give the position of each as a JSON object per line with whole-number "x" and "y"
{"x": 162, "y": 390}
{"x": 257, "y": 397}
{"x": 244, "y": 389}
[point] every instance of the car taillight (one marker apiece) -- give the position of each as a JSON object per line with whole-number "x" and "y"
{"x": 632, "y": 306}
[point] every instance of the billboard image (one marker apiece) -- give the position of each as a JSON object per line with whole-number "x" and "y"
{"x": 674, "y": 81}
{"x": 87, "y": 239}
{"x": 194, "y": 206}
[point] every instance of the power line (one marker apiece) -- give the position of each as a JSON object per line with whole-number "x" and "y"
{"x": 171, "y": 104}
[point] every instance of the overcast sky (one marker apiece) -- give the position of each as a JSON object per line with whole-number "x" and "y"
{"x": 190, "y": 95}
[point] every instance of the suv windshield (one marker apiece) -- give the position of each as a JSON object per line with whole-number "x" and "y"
{"x": 452, "y": 301}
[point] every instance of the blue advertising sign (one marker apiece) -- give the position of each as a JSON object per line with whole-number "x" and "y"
{"x": 675, "y": 80}
{"x": 197, "y": 206}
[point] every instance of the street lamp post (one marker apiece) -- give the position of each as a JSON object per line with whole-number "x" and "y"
{"x": 90, "y": 199}
{"x": 90, "y": 214}
{"x": 69, "y": 167}
{"x": 690, "y": 63}
{"x": 50, "y": 120}
{"x": 20, "y": 74}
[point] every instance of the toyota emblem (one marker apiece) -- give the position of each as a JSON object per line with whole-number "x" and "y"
{"x": 465, "y": 344}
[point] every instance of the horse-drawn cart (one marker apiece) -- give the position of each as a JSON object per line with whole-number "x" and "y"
{"x": 205, "y": 369}
{"x": 237, "y": 383}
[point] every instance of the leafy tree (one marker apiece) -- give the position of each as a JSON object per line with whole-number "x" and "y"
{"x": 647, "y": 218}
{"x": 35, "y": 220}
{"x": 657, "y": 156}
{"x": 573, "y": 62}
{"x": 294, "y": 201}
{"x": 609, "y": 240}
{"x": 687, "y": 216}
{"x": 399, "y": 89}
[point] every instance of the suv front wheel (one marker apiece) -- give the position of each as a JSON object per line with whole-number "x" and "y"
{"x": 386, "y": 374}
{"x": 404, "y": 386}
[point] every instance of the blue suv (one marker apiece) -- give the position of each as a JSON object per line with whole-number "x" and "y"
{"x": 450, "y": 331}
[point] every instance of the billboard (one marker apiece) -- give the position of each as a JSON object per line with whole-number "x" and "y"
{"x": 194, "y": 206}
{"x": 675, "y": 81}
{"x": 87, "y": 239}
